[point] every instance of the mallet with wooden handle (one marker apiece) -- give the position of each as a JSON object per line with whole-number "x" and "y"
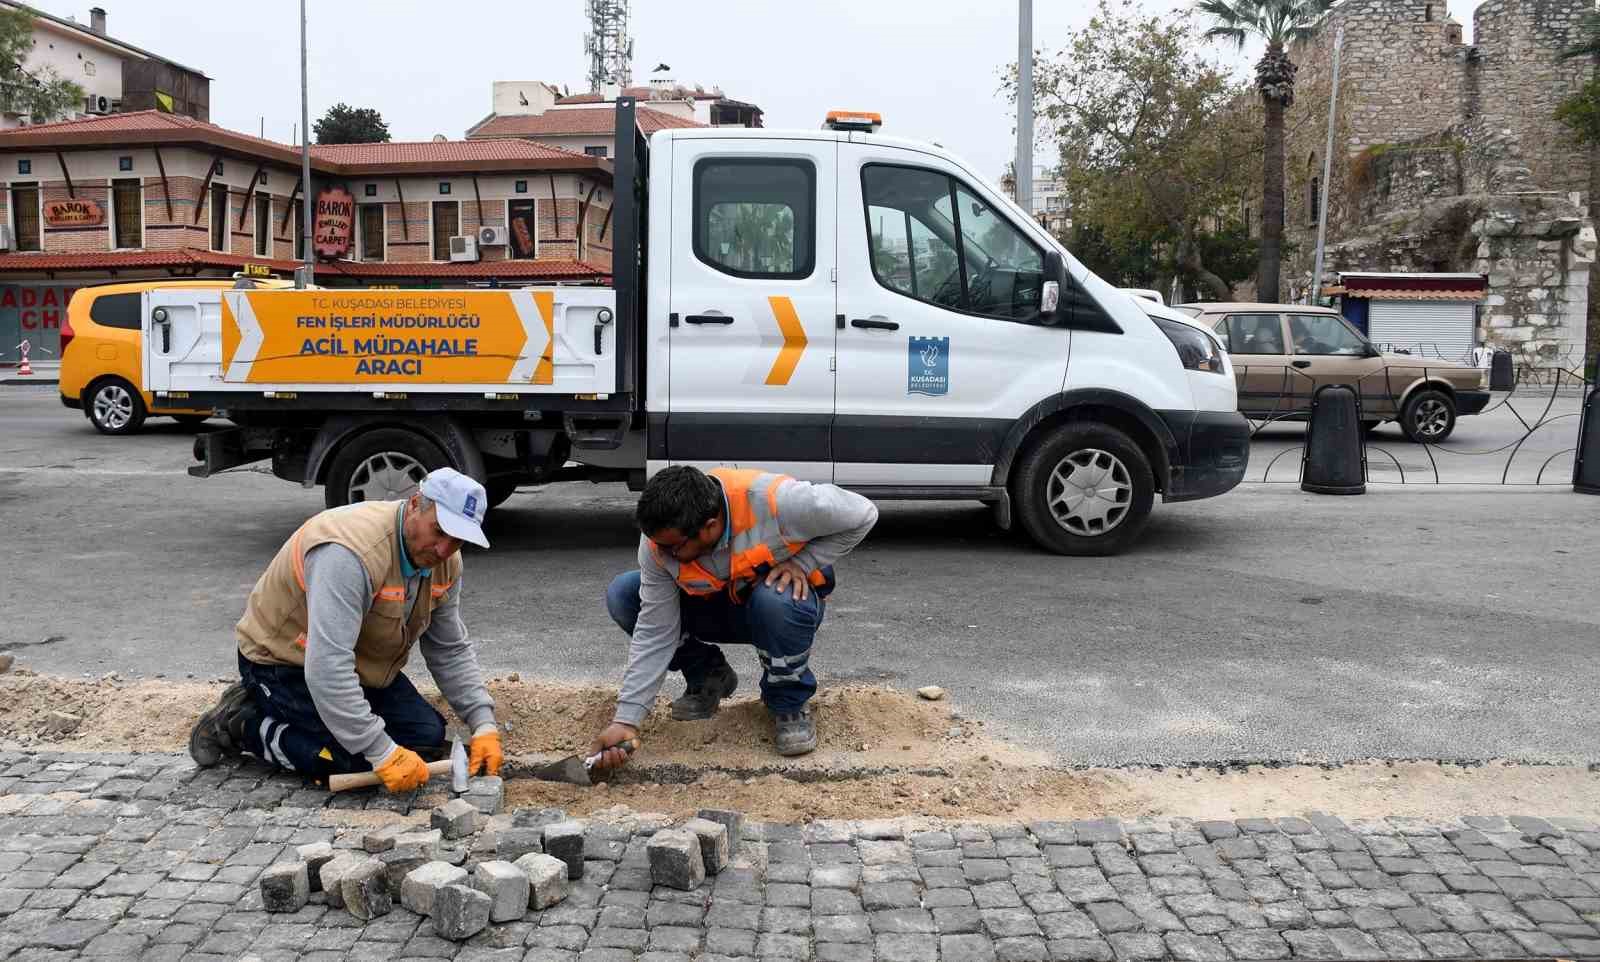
{"x": 343, "y": 783}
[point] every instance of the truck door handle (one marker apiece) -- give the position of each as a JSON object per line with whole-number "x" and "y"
{"x": 708, "y": 319}
{"x": 1302, "y": 363}
{"x": 872, "y": 325}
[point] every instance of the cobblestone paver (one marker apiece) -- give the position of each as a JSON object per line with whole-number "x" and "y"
{"x": 144, "y": 857}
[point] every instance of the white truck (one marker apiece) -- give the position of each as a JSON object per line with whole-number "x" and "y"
{"x": 832, "y": 304}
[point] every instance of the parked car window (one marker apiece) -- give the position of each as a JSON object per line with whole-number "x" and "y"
{"x": 1252, "y": 334}
{"x": 116, "y": 310}
{"x": 1321, "y": 334}
{"x": 756, "y": 217}
{"x": 930, "y": 237}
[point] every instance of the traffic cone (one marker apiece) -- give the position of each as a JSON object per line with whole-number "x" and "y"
{"x": 24, "y": 369}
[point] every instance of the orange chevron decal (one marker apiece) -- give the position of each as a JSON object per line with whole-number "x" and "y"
{"x": 794, "y": 341}
{"x": 545, "y": 371}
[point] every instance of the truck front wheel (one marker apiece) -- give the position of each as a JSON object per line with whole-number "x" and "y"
{"x": 1085, "y": 489}
{"x": 382, "y": 465}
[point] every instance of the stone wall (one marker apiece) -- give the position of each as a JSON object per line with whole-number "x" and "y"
{"x": 1521, "y": 82}
{"x": 1422, "y": 115}
{"x": 1537, "y": 250}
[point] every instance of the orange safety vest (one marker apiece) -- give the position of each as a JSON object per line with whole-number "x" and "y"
{"x": 755, "y": 536}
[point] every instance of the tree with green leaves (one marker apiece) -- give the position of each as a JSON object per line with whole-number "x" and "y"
{"x": 344, "y": 124}
{"x": 39, "y": 93}
{"x": 1279, "y": 23}
{"x": 1581, "y": 115}
{"x": 1153, "y": 141}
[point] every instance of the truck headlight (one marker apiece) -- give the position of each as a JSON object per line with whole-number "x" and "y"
{"x": 1196, "y": 349}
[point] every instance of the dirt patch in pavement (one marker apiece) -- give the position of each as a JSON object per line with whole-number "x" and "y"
{"x": 859, "y": 726}
{"x": 883, "y": 753}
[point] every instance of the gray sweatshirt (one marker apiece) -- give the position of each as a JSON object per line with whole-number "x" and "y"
{"x": 338, "y": 595}
{"x": 831, "y": 520}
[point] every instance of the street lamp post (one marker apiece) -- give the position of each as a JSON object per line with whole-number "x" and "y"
{"x": 1024, "y": 162}
{"x": 302, "y": 276}
{"x": 1327, "y": 171}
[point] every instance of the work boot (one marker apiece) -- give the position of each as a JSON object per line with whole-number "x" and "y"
{"x": 220, "y": 731}
{"x": 703, "y": 700}
{"x": 796, "y": 733}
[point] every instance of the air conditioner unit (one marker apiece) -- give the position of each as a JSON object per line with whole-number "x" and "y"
{"x": 96, "y": 104}
{"x": 491, "y": 237}
{"x": 464, "y": 248}
{"x": 5, "y": 237}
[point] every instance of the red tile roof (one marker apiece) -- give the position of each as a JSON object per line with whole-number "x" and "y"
{"x": 195, "y": 258}
{"x": 540, "y": 268}
{"x": 433, "y": 152}
{"x": 597, "y": 121}
{"x": 154, "y": 127}
{"x": 101, "y": 260}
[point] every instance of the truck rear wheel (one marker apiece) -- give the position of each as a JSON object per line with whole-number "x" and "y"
{"x": 382, "y": 465}
{"x": 1085, "y": 489}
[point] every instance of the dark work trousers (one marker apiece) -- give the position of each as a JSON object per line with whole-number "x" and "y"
{"x": 780, "y": 628}
{"x": 290, "y": 734}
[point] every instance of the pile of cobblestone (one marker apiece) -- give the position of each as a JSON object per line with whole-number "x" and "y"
{"x": 435, "y": 873}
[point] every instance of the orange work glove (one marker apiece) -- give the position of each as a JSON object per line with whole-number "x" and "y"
{"x": 403, "y": 771}
{"x": 484, "y": 754}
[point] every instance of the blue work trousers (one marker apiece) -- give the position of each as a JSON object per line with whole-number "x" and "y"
{"x": 290, "y": 734}
{"x": 779, "y": 627}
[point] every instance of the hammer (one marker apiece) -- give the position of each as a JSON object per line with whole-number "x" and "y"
{"x": 455, "y": 766}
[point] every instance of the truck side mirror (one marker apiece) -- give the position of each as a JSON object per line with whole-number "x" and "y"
{"x": 1055, "y": 278}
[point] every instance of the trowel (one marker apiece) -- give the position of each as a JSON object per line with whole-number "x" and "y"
{"x": 458, "y": 766}
{"x": 574, "y": 769}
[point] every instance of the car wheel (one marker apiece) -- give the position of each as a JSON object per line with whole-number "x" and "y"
{"x": 382, "y": 465}
{"x": 1085, "y": 489}
{"x": 1428, "y": 417}
{"x": 191, "y": 422}
{"x": 115, "y": 407}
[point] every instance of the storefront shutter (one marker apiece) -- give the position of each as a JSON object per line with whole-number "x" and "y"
{"x": 1430, "y": 330}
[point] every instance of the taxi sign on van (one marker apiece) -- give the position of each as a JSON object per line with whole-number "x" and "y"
{"x": 389, "y": 337}
{"x": 257, "y": 270}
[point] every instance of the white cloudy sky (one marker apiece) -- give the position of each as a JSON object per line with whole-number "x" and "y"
{"x": 931, "y": 67}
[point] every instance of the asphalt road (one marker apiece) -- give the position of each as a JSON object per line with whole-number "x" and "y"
{"x": 1263, "y": 625}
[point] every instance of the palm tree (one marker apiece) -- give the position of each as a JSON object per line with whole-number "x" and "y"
{"x": 1278, "y": 22}
{"x": 1587, "y": 44}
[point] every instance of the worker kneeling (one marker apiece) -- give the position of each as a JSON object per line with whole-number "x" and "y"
{"x": 330, "y": 624}
{"x": 736, "y": 556}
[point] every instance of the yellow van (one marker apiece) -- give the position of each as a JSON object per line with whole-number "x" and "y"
{"x": 102, "y": 347}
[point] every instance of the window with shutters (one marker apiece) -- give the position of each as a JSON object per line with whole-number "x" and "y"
{"x": 127, "y": 203}
{"x": 446, "y": 224}
{"x": 219, "y": 217}
{"x": 372, "y": 232}
{"x": 25, "y": 216}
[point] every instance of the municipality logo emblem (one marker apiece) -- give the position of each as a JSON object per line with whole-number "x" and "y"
{"x": 928, "y": 366}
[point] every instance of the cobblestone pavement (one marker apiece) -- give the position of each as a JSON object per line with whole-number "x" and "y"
{"x": 142, "y": 856}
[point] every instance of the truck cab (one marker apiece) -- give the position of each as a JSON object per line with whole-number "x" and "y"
{"x": 833, "y": 304}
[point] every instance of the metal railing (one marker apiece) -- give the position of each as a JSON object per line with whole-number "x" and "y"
{"x": 1540, "y": 453}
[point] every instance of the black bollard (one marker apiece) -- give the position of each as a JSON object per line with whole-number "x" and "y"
{"x": 1334, "y": 460}
{"x": 1501, "y": 375}
{"x": 1586, "y": 466}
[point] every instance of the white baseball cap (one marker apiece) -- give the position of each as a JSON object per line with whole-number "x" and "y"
{"x": 461, "y": 503}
